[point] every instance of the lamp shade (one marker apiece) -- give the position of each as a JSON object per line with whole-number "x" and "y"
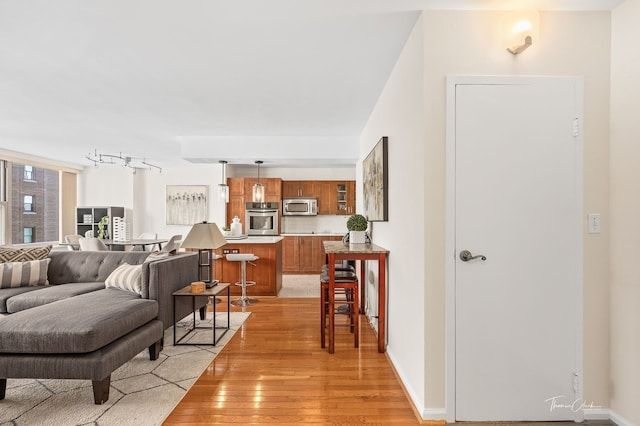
{"x": 204, "y": 236}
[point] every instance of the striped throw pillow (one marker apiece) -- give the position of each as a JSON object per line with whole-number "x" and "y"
{"x": 126, "y": 277}
{"x": 25, "y": 254}
{"x": 23, "y": 274}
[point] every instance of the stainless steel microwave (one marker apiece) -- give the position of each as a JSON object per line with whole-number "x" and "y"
{"x": 299, "y": 207}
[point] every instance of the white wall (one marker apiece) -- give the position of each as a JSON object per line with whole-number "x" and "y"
{"x": 143, "y": 193}
{"x": 625, "y": 211}
{"x": 465, "y": 42}
{"x": 571, "y": 43}
{"x": 399, "y": 115}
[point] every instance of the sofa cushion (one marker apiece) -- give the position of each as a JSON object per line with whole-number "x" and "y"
{"x": 49, "y": 294}
{"x": 22, "y": 274}
{"x": 24, "y": 254}
{"x": 89, "y": 266}
{"x": 8, "y": 293}
{"x": 126, "y": 277}
{"x": 90, "y": 322}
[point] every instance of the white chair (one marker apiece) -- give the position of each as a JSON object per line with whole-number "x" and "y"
{"x": 88, "y": 234}
{"x": 92, "y": 244}
{"x": 72, "y": 240}
{"x": 172, "y": 244}
{"x": 146, "y": 236}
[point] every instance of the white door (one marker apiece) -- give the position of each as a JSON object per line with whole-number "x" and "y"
{"x": 518, "y": 196}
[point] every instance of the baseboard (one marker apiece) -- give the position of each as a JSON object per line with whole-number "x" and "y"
{"x": 435, "y": 415}
{"x": 619, "y": 420}
{"x": 597, "y": 414}
{"x": 428, "y": 416}
{"x": 606, "y": 414}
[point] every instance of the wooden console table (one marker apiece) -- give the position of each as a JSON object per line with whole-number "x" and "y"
{"x": 337, "y": 251}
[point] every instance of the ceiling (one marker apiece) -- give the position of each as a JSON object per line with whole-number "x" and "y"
{"x": 147, "y": 77}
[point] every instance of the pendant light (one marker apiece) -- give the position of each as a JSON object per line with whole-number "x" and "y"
{"x": 258, "y": 188}
{"x": 223, "y": 188}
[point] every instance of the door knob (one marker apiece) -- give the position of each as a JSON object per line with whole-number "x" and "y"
{"x": 466, "y": 256}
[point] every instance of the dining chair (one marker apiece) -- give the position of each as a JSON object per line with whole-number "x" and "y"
{"x": 146, "y": 236}
{"x": 173, "y": 244}
{"x": 92, "y": 244}
{"x": 73, "y": 241}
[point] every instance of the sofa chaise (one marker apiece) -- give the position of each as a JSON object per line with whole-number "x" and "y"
{"x": 96, "y": 312}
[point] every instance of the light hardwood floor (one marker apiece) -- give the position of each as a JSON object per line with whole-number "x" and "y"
{"x": 274, "y": 371}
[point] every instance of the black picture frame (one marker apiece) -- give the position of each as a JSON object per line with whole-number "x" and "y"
{"x": 375, "y": 178}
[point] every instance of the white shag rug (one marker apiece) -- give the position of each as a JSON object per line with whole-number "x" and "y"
{"x": 143, "y": 392}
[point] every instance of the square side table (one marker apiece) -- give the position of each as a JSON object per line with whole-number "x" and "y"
{"x": 213, "y": 292}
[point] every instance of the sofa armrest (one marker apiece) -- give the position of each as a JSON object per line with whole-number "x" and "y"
{"x": 168, "y": 275}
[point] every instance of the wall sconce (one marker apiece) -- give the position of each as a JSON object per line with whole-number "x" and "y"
{"x": 521, "y": 28}
{"x": 223, "y": 188}
{"x": 258, "y": 188}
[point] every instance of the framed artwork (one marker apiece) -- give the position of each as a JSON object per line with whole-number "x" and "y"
{"x": 375, "y": 183}
{"x": 186, "y": 204}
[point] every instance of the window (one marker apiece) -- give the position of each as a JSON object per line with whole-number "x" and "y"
{"x": 28, "y": 235}
{"x": 29, "y": 173}
{"x": 28, "y": 204}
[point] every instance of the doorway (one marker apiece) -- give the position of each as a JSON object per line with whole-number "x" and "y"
{"x": 514, "y": 248}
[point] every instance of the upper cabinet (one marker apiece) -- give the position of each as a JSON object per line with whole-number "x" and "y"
{"x": 241, "y": 191}
{"x": 299, "y": 188}
{"x": 334, "y": 197}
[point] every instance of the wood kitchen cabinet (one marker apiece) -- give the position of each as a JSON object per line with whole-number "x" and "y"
{"x": 290, "y": 254}
{"x": 240, "y": 193}
{"x": 337, "y": 197}
{"x": 344, "y": 194}
{"x": 334, "y": 197}
{"x": 299, "y": 188}
{"x": 304, "y": 254}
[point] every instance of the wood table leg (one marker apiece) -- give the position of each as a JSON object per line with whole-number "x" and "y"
{"x": 382, "y": 303}
{"x": 363, "y": 285}
{"x": 332, "y": 296}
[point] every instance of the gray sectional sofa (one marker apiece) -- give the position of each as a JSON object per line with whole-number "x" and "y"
{"x": 76, "y": 327}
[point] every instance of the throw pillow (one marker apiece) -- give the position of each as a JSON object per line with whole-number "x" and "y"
{"x": 25, "y": 254}
{"x": 23, "y": 274}
{"x": 126, "y": 277}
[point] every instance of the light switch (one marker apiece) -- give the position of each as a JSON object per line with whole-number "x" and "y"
{"x": 594, "y": 223}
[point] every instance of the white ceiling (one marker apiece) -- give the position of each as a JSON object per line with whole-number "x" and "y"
{"x": 142, "y": 76}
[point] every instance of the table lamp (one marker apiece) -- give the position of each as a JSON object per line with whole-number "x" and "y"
{"x": 205, "y": 237}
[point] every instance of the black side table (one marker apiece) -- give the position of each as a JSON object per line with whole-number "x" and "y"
{"x": 213, "y": 291}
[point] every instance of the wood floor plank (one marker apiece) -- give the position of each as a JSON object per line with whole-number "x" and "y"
{"x": 274, "y": 371}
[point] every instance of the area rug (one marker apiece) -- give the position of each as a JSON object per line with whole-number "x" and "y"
{"x": 143, "y": 392}
{"x": 300, "y": 286}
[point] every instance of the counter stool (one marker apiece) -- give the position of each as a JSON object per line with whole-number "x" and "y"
{"x": 346, "y": 282}
{"x": 243, "y": 258}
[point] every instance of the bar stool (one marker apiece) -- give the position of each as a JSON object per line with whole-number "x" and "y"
{"x": 243, "y": 258}
{"x": 346, "y": 282}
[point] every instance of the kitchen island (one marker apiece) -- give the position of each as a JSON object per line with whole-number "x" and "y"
{"x": 267, "y": 272}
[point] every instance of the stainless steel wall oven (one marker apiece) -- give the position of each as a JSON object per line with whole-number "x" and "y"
{"x": 262, "y": 218}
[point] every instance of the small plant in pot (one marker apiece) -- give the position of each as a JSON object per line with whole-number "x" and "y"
{"x": 357, "y": 226}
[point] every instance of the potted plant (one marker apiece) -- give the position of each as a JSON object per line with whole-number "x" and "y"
{"x": 102, "y": 228}
{"x": 357, "y": 225}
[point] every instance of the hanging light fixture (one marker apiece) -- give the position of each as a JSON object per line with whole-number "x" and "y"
{"x": 223, "y": 188}
{"x": 258, "y": 188}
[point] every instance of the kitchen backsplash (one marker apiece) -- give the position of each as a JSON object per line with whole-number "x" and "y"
{"x": 321, "y": 224}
